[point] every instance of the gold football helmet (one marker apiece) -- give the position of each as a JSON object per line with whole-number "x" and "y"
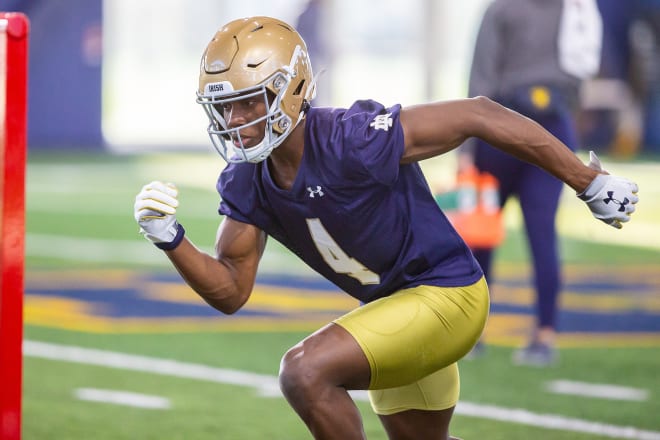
{"x": 248, "y": 58}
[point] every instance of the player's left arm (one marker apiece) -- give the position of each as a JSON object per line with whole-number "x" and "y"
{"x": 436, "y": 128}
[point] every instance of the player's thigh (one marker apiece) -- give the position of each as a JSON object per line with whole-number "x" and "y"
{"x": 417, "y": 331}
{"x": 416, "y": 424}
{"x": 419, "y": 410}
{"x": 438, "y": 391}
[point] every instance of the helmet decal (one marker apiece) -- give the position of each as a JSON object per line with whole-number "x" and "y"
{"x": 218, "y": 89}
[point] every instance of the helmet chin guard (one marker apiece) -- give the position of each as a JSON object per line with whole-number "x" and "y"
{"x": 228, "y": 141}
{"x": 251, "y": 58}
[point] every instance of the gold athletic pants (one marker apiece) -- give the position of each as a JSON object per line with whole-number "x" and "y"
{"x": 413, "y": 339}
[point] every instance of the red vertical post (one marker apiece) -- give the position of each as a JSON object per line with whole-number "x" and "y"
{"x": 12, "y": 221}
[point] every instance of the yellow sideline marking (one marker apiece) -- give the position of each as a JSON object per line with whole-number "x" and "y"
{"x": 572, "y": 300}
{"x": 69, "y": 314}
{"x": 285, "y": 299}
{"x": 511, "y": 330}
{"x": 502, "y": 329}
{"x": 63, "y": 279}
{"x": 296, "y": 309}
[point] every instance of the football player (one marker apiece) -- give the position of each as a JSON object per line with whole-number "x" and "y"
{"x": 341, "y": 188}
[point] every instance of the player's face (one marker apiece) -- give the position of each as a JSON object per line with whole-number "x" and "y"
{"x": 241, "y": 113}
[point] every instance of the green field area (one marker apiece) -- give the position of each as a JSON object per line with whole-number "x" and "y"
{"x": 105, "y": 312}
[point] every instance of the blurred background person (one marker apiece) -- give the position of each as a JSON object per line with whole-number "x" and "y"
{"x": 532, "y": 56}
{"x": 611, "y": 117}
{"x": 312, "y": 24}
{"x": 644, "y": 35}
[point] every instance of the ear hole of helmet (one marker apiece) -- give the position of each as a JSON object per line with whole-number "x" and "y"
{"x": 298, "y": 89}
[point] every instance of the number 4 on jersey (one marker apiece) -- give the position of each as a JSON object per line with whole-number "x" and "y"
{"x": 336, "y": 258}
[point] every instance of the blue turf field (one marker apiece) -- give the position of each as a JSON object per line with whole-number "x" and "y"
{"x": 592, "y": 304}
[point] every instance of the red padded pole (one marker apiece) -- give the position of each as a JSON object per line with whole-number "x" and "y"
{"x": 12, "y": 221}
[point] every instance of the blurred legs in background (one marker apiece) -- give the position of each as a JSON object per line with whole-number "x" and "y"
{"x": 538, "y": 194}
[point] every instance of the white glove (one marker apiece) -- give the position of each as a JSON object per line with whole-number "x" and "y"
{"x": 154, "y": 210}
{"x": 610, "y": 198}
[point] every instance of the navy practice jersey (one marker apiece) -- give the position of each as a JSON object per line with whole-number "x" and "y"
{"x": 354, "y": 214}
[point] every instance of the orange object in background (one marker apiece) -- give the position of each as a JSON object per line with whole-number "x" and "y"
{"x": 476, "y": 213}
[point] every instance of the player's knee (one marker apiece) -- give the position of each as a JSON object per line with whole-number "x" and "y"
{"x": 297, "y": 377}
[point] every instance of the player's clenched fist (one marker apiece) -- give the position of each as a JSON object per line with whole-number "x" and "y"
{"x": 154, "y": 210}
{"x": 610, "y": 198}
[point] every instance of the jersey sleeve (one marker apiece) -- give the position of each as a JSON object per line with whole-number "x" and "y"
{"x": 373, "y": 140}
{"x": 240, "y": 198}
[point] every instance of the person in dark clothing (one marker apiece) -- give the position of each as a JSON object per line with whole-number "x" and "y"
{"x": 531, "y": 56}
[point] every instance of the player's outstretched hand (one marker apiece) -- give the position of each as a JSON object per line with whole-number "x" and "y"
{"x": 154, "y": 210}
{"x": 610, "y": 198}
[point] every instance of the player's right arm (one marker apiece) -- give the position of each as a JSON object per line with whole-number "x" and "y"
{"x": 224, "y": 281}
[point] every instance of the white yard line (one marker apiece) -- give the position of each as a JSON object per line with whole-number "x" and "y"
{"x": 124, "y": 398}
{"x": 139, "y": 252}
{"x": 551, "y": 421}
{"x": 597, "y": 390}
{"x": 268, "y": 385}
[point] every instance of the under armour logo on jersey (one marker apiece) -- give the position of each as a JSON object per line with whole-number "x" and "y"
{"x": 315, "y": 192}
{"x": 622, "y": 204}
{"x": 382, "y": 122}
